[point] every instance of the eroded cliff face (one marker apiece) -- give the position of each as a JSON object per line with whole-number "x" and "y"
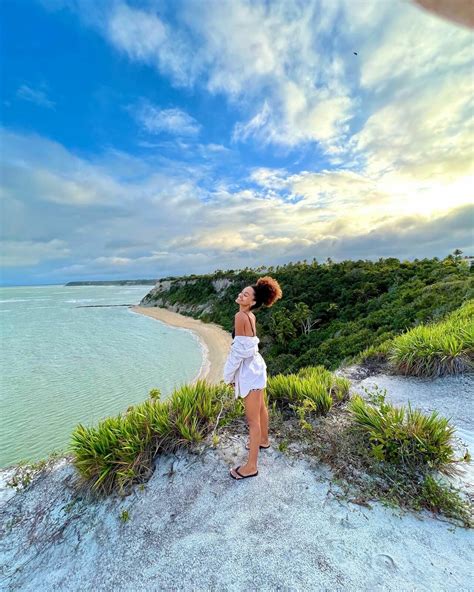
{"x": 158, "y": 296}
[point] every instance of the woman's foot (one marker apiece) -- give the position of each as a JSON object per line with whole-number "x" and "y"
{"x": 262, "y": 445}
{"x": 243, "y": 471}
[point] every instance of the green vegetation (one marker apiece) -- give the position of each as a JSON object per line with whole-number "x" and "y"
{"x": 120, "y": 450}
{"x": 124, "y": 516}
{"x": 312, "y": 389}
{"x": 27, "y": 471}
{"x": 442, "y": 498}
{"x": 378, "y": 450}
{"x": 446, "y": 347}
{"x": 396, "y": 455}
{"x": 436, "y": 349}
{"x": 330, "y": 312}
{"x": 417, "y": 316}
{"x": 404, "y": 436}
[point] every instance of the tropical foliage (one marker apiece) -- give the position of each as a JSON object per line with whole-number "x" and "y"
{"x": 120, "y": 450}
{"x": 403, "y": 435}
{"x": 330, "y": 312}
{"x": 446, "y": 347}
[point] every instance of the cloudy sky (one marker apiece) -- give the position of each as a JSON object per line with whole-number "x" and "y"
{"x": 154, "y": 138}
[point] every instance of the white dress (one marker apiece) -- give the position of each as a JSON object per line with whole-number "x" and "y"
{"x": 245, "y": 365}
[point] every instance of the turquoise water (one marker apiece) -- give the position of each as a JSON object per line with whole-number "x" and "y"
{"x": 62, "y": 365}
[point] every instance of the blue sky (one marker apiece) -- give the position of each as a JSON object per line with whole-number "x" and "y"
{"x": 146, "y": 139}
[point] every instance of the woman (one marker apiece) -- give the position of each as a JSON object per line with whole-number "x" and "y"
{"x": 246, "y": 370}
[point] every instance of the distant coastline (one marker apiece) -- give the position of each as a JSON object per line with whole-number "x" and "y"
{"x": 214, "y": 340}
{"x": 113, "y": 283}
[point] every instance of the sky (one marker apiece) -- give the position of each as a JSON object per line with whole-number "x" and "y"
{"x": 142, "y": 139}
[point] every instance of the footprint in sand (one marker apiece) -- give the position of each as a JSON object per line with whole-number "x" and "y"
{"x": 383, "y": 560}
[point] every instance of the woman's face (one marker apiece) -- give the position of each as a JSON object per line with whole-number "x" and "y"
{"x": 246, "y": 297}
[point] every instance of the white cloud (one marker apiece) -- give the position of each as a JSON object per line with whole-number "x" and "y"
{"x": 45, "y": 171}
{"x": 427, "y": 135}
{"x": 270, "y": 178}
{"x": 143, "y": 36}
{"x": 414, "y": 45}
{"x": 290, "y": 68}
{"x": 171, "y": 121}
{"x": 38, "y": 97}
{"x": 168, "y": 224}
{"x": 137, "y": 32}
{"x": 251, "y": 53}
{"x": 396, "y": 119}
{"x": 22, "y": 253}
{"x": 114, "y": 261}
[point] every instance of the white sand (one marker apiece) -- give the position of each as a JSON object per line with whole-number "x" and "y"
{"x": 195, "y": 528}
{"x": 215, "y": 341}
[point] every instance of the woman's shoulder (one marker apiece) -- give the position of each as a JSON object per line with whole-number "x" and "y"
{"x": 243, "y": 315}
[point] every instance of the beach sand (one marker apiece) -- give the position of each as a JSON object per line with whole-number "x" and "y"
{"x": 214, "y": 340}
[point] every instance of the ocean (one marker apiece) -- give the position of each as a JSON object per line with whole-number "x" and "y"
{"x": 64, "y": 362}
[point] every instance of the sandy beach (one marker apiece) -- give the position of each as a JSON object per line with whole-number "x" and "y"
{"x": 214, "y": 340}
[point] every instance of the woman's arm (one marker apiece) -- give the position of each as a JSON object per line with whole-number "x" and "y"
{"x": 231, "y": 366}
{"x": 233, "y": 359}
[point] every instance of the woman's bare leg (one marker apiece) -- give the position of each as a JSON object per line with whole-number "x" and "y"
{"x": 263, "y": 422}
{"x": 252, "y": 412}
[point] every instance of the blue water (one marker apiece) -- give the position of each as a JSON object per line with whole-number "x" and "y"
{"x": 62, "y": 365}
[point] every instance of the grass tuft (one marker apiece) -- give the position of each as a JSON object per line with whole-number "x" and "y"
{"x": 404, "y": 436}
{"x": 431, "y": 350}
{"x": 120, "y": 450}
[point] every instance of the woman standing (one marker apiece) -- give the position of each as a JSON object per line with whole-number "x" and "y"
{"x": 245, "y": 368}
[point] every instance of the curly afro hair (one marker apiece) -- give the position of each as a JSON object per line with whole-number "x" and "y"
{"x": 267, "y": 292}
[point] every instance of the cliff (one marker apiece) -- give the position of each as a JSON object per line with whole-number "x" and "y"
{"x": 164, "y": 289}
{"x": 192, "y": 527}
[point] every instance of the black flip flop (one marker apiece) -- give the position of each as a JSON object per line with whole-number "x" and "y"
{"x": 240, "y": 474}
{"x": 264, "y": 447}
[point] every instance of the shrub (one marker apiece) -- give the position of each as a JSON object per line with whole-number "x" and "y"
{"x": 373, "y": 353}
{"x": 346, "y": 446}
{"x": 314, "y": 388}
{"x": 404, "y": 436}
{"x": 442, "y": 348}
{"x": 120, "y": 450}
{"x": 192, "y": 409}
{"x": 337, "y": 387}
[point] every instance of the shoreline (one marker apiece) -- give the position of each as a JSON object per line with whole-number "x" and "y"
{"x": 213, "y": 340}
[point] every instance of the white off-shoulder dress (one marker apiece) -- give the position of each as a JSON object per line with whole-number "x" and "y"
{"x": 245, "y": 365}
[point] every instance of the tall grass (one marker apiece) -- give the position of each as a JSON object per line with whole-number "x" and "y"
{"x": 121, "y": 449}
{"x": 372, "y": 353}
{"x": 315, "y": 385}
{"x": 442, "y": 348}
{"x": 404, "y": 436}
{"x": 431, "y": 350}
